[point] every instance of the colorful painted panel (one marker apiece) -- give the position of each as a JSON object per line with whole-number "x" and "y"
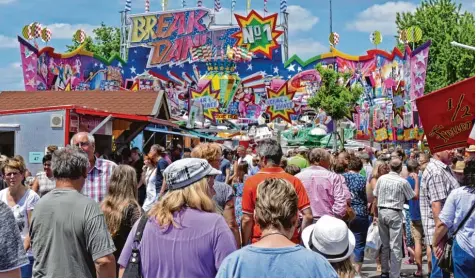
{"x": 182, "y": 50}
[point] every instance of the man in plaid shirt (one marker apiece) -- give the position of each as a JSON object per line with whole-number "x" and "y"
{"x": 100, "y": 170}
{"x": 436, "y": 184}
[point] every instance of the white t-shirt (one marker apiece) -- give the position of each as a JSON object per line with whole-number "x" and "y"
{"x": 151, "y": 192}
{"x": 25, "y": 204}
{"x": 248, "y": 159}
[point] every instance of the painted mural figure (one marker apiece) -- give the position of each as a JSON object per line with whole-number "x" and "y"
{"x": 43, "y": 68}
{"x": 172, "y": 95}
{"x": 77, "y": 68}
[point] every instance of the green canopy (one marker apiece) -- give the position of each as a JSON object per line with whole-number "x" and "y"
{"x": 202, "y": 135}
{"x": 304, "y": 138}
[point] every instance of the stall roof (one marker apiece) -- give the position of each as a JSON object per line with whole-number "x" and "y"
{"x": 143, "y": 103}
{"x": 95, "y": 112}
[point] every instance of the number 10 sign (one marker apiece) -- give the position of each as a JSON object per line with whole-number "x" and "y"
{"x": 258, "y": 33}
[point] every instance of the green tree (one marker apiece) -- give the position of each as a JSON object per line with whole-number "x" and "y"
{"x": 333, "y": 96}
{"x": 106, "y": 41}
{"x": 442, "y": 22}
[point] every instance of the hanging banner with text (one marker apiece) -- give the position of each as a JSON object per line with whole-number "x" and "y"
{"x": 447, "y": 115}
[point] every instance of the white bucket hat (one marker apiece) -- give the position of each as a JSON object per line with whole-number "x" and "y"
{"x": 329, "y": 237}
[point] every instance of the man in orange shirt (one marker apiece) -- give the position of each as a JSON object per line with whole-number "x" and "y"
{"x": 270, "y": 154}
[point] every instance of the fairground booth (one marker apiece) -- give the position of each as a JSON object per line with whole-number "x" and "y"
{"x": 31, "y": 121}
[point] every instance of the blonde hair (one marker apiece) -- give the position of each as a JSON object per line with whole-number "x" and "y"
{"x": 344, "y": 269}
{"x": 194, "y": 196}
{"x": 276, "y": 204}
{"x": 207, "y": 151}
{"x": 16, "y": 163}
{"x": 377, "y": 164}
{"x": 122, "y": 193}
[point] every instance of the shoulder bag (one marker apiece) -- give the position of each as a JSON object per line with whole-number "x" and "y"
{"x": 446, "y": 260}
{"x": 133, "y": 268}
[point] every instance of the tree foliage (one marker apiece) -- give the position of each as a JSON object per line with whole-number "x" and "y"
{"x": 442, "y": 22}
{"x": 106, "y": 42}
{"x": 333, "y": 96}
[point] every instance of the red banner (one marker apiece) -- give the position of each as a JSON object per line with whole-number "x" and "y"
{"x": 447, "y": 115}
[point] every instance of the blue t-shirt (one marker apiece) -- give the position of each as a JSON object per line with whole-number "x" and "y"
{"x": 457, "y": 205}
{"x": 287, "y": 262}
{"x": 414, "y": 204}
{"x": 162, "y": 164}
{"x": 356, "y": 184}
{"x": 224, "y": 165}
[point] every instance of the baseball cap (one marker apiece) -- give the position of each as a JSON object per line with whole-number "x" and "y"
{"x": 185, "y": 172}
{"x": 364, "y": 156}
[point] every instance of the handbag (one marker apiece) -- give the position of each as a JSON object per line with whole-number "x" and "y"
{"x": 133, "y": 268}
{"x": 445, "y": 262}
{"x": 349, "y": 214}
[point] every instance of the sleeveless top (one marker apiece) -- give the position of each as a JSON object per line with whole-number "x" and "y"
{"x": 46, "y": 184}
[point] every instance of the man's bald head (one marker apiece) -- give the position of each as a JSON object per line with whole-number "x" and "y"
{"x": 396, "y": 165}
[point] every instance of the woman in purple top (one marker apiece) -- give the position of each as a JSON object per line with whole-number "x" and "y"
{"x": 184, "y": 237}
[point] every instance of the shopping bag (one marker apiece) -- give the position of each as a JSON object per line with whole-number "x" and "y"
{"x": 373, "y": 242}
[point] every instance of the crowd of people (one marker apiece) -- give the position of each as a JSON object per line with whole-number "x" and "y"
{"x": 249, "y": 212}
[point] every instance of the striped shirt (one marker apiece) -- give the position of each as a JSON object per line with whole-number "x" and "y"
{"x": 46, "y": 183}
{"x": 392, "y": 191}
{"x": 437, "y": 182}
{"x": 97, "y": 182}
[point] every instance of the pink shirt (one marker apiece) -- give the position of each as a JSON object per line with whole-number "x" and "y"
{"x": 327, "y": 191}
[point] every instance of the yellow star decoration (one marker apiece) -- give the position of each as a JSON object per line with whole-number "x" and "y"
{"x": 135, "y": 86}
{"x": 284, "y": 114}
{"x": 260, "y": 46}
{"x": 207, "y": 92}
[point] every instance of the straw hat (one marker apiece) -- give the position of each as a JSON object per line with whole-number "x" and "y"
{"x": 471, "y": 149}
{"x": 459, "y": 167}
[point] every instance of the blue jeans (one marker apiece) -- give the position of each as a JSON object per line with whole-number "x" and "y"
{"x": 359, "y": 226}
{"x": 436, "y": 271}
{"x": 27, "y": 270}
{"x": 463, "y": 263}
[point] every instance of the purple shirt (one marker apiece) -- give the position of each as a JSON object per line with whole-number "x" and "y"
{"x": 327, "y": 191}
{"x": 195, "y": 249}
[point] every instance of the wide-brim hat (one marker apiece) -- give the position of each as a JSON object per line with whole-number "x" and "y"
{"x": 459, "y": 167}
{"x": 471, "y": 148}
{"x": 329, "y": 237}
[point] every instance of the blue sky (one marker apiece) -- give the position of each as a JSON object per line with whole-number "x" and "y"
{"x": 354, "y": 20}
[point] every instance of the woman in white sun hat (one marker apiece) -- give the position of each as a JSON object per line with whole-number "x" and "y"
{"x": 331, "y": 238}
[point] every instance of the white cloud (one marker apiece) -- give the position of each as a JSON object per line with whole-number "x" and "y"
{"x": 66, "y": 30}
{"x": 306, "y": 48}
{"x": 12, "y": 77}
{"x": 300, "y": 19}
{"x": 380, "y": 17}
{"x": 6, "y": 1}
{"x": 8, "y": 42}
{"x": 224, "y": 16}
